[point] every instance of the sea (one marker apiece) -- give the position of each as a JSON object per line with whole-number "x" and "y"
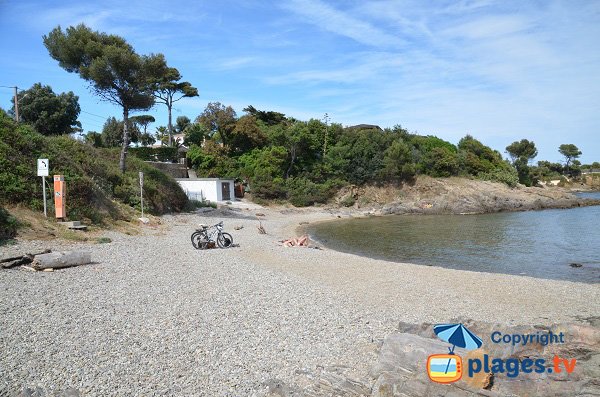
{"x": 562, "y": 244}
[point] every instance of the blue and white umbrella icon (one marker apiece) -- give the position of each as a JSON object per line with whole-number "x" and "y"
{"x": 458, "y": 335}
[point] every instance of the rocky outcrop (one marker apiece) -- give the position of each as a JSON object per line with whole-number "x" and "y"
{"x": 400, "y": 370}
{"x": 459, "y": 196}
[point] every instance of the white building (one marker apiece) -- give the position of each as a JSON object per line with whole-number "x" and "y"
{"x": 208, "y": 189}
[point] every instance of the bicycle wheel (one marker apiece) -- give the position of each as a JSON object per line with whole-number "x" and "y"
{"x": 225, "y": 240}
{"x": 199, "y": 240}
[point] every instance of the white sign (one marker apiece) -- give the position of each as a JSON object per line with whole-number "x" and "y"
{"x": 43, "y": 167}
{"x": 141, "y": 179}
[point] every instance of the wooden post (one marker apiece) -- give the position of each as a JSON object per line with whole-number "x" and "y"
{"x": 16, "y": 106}
{"x": 44, "y": 190}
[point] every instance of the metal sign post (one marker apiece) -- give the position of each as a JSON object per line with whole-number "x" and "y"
{"x": 142, "y": 191}
{"x": 43, "y": 170}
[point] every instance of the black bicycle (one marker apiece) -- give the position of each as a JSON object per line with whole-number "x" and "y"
{"x": 203, "y": 237}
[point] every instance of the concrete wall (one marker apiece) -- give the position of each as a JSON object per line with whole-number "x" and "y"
{"x": 173, "y": 169}
{"x": 206, "y": 188}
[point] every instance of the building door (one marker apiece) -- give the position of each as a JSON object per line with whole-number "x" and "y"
{"x": 225, "y": 191}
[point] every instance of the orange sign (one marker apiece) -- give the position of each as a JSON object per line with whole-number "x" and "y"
{"x": 59, "y": 196}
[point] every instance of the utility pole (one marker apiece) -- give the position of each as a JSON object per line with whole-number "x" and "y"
{"x": 326, "y": 118}
{"x": 16, "y": 106}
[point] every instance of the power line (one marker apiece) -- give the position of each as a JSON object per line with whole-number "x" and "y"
{"x": 91, "y": 124}
{"x": 96, "y": 115}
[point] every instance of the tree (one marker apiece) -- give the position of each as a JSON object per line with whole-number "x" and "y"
{"x": 143, "y": 121}
{"x": 524, "y": 149}
{"x": 146, "y": 139}
{"x": 398, "y": 162}
{"x": 195, "y": 134}
{"x": 246, "y": 135}
{"x": 93, "y": 138}
{"x": 521, "y": 154}
{"x": 116, "y": 73}
{"x": 570, "y": 151}
{"x": 112, "y": 132}
{"x": 182, "y": 123}
{"x": 268, "y": 117}
{"x": 162, "y": 135}
{"x": 219, "y": 120}
{"x": 48, "y": 113}
{"x": 475, "y": 158}
{"x": 168, "y": 90}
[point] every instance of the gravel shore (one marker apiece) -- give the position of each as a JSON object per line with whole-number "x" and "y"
{"x": 154, "y": 317}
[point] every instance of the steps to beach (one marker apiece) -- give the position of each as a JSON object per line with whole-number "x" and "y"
{"x": 73, "y": 225}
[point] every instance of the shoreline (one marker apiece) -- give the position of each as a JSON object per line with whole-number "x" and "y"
{"x": 345, "y": 215}
{"x": 150, "y": 305}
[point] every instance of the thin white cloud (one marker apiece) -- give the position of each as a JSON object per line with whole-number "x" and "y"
{"x": 328, "y": 18}
{"x": 236, "y": 63}
{"x": 490, "y": 27}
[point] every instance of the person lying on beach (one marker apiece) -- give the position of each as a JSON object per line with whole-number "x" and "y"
{"x": 301, "y": 241}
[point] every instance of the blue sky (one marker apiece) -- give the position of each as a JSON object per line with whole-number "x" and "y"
{"x": 499, "y": 70}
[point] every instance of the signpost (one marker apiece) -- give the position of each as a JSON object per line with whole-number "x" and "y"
{"x": 43, "y": 170}
{"x": 142, "y": 191}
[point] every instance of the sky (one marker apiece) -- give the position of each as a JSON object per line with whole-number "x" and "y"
{"x": 498, "y": 70}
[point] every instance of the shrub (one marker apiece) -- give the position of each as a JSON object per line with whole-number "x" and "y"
{"x": 195, "y": 204}
{"x": 507, "y": 175}
{"x": 92, "y": 175}
{"x": 441, "y": 162}
{"x": 348, "y": 201}
{"x": 8, "y": 225}
{"x": 167, "y": 154}
{"x": 302, "y": 192}
{"x": 143, "y": 153}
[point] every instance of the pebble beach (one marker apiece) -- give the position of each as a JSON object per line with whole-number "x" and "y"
{"x": 152, "y": 316}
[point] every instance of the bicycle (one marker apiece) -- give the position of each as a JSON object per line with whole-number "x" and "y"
{"x": 205, "y": 235}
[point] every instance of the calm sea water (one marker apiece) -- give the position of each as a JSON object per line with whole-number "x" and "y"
{"x": 534, "y": 243}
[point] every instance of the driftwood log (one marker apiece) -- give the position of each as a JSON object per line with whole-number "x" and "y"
{"x": 26, "y": 259}
{"x": 57, "y": 260}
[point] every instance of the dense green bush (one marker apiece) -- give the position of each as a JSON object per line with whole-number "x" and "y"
{"x": 506, "y": 174}
{"x": 441, "y": 162}
{"x": 145, "y": 153}
{"x": 92, "y": 176}
{"x": 8, "y": 225}
{"x": 302, "y": 192}
{"x": 281, "y": 157}
{"x": 166, "y": 154}
{"x": 211, "y": 161}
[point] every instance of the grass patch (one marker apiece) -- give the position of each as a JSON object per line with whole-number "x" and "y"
{"x": 73, "y": 235}
{"x": 103, "y": 240}
{"x": 8, "y": 242}
{"x": 192, "y": 205}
